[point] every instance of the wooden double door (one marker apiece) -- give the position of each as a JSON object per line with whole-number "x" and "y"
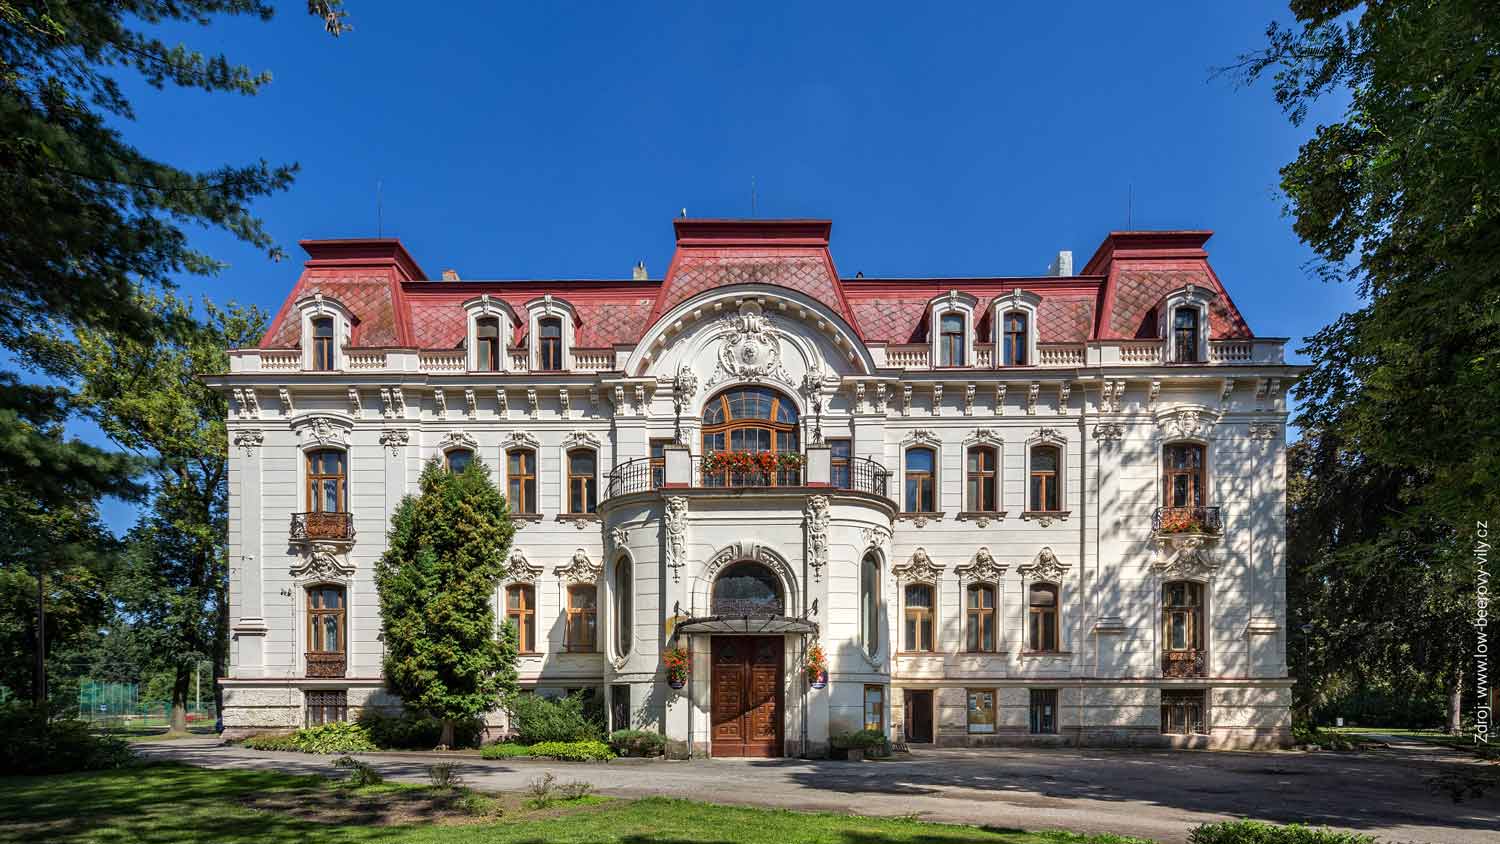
{"x": 746, "y": 705}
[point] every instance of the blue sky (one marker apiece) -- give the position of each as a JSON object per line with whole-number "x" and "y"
{"x": 559, "y": 140}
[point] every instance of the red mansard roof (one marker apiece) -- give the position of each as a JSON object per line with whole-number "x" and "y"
{"x": 1115, "y": 296}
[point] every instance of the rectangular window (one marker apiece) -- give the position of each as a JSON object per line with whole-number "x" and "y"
{"x": 921, "y": 467}
{"x": 839, "y": 451}
{"x": 1185, "y": 330}
{"x": 1015, "y": 339}
{"x": 583, "y": 627}
{"x": 659, "y": 462}
{"x": 325, "y": 619}
{"x": 487, "y": 334}
{"x": 520, "y": 611}
{"x": 327, "y": 481}
{"x": 326, "y": 707}
{"x": 1182, "y": 712}
{"x": 875, "y": 708}
{"x": 1044, "y": 711}
{"x": 619, "y": 708}
{"x": 581, "y": 492}
{"x": 981, "y": 618}
{"x": 982, "y": 481}
{"x": 918, "y": 617}
{"x": 981, "y": 710}
{"x": 521, "y": 477}
{"x": 1042, "y": 610}
{"x": 1045, "y": 463}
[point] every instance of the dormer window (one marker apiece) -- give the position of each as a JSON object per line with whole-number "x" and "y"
{"x": 951, "y": 341}
{"x": 1185, "y": 335}
{"x": 1014, "y": 341}
{"x": 549, "y": 344}
{"x": 322, "y": 343}
{"x": 487, "y": 344}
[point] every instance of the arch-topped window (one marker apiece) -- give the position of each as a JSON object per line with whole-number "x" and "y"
{"x": 919, "y": 617}
{"x": 1042, "y": 610}
{"x": 458, "y": 459}
{"x": 487, "y": 344}
{"x": 624, "y": 603}
{"x": 1182, "y": 480}
{"x": 748, "y": 589}
{"x": 951, "y": 339}
{"x": 869, "y": 603}
{"x": 322, "y": 343}
{"x": 1014, "y": 340}
{"x": 549, "y": 343}
{"x": 750, "y": 419}
{"x": 1185, "y": 335}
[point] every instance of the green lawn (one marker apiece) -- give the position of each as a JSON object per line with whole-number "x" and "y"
{"x": 1461, "y": 742}
{"x": 175, "y": 804}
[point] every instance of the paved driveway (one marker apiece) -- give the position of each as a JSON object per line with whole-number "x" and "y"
{"x": 1151, "y": 794}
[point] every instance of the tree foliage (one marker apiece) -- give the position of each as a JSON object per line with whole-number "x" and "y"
{"x": 1400, "y": 197}
{"x": 446, "y": 554}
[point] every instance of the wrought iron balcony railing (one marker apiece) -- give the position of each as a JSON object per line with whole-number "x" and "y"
{"x": 1187, "y": 520}
{"x": 859, "y": 474}
{"x": 322, "y": 527}
{"x": 1188, "y": 663}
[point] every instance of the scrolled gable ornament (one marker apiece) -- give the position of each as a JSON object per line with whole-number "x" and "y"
{"x": 1185, "y": 423}
{"x": 982, "y": 568}
{"x": 751, "y": 349}
{"x": 323, "y": 431}
{"x": 919, "y": 568}
{"x": 521, "y": 570}
{"x": 579, "y": 569}
{"x": 1045, "y": 566}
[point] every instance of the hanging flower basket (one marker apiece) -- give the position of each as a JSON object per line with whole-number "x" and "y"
{"x": 676, "y": 659}
{"x": 815, "y": 666}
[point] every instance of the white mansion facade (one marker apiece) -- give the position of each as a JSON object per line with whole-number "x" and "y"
{"x": 1045, "y": 509}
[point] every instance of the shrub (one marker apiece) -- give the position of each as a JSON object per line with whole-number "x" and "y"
{"x": 31, "y": 743}
{"x": 336, "y": 737}
{"x": 1305, "y": 734}
{"x": 479, "y": 805}
{"x": 507, "y": 750}
{"x": 872, "y": 741}
{"x": 360, "y": 773}
{"x": 537, "y": 719}
{"x": 573, "y": 751}
{"x": 545, "y": 790}
{"x": 1255, "y": 832}
{"x": 414, "y": 731}
{"x": 638, "y": 743}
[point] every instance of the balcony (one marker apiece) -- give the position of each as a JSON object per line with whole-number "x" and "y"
{"x": 1183, "y": 664}
{"x": 322, "y": 527}
{"x": 325, "y": 665}
{"x": 859, "y": 474}
{"x": 1195, "y": 521}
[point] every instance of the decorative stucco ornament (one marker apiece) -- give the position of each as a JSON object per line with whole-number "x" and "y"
{"x": 1184, "y": 555}
{"x": 394, "y": 439}
{"x": 675, "y": 525}
{"x": 920, "y": 568}
{"x": 580, "y": 569}
{"x": 323, "y": 559}
{"x": 519, "y": 569}
{"x": 751, "y": 350}
{"x": 1046, "y": 566}
{"x": 983, "y": 567}
{"x": 684, "y": 387}
{"x": 817, "y": 533}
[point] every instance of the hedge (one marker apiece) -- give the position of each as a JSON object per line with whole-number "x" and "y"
{"x": 1256, "y": 832}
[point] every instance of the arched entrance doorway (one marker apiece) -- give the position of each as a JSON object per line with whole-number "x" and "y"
{"x": 746, "y": 703}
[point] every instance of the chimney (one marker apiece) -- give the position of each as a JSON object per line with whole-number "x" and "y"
{"x": 639, "y": 272}
{"x": 1063, "y": 266}
{"x": 450, "y": 275}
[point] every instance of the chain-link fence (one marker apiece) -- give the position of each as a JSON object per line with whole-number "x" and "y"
{"x": 117, "y": 707}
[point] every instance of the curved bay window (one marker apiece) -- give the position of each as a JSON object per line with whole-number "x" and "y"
{"x": 982, "y": 490}
{"x": 549, "y": 344}
{"x": 1183, "y": 482}
{"x": 325, "y": 631}
{"x": 1041, "y": 609}
{"x": 520, "y": 611}
{"x": 748, "y": 590}
{"x": 1046, "y": 484}
{"x": 520, "y": 477}
{"x": 458, "y": 459}
{"x": 951, "y": 339}
{"x": 1013, "y": 339}
{"x": 919, "y": 617}
{"x": 624, "y": 594}
{"x": 1185, "y": 336}
{"x": 582, "y": 631}
{"x": 322, "y": 343}
{"x": 487, "y": 336}
{"x": 582, "y": 488}
{"x": 921, "y": 477}
{"x": 869, "y": 604}
{"x": 981, "y": 618}
{"x": 750, "y": 420}
{"x": 1182, "y": 629}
